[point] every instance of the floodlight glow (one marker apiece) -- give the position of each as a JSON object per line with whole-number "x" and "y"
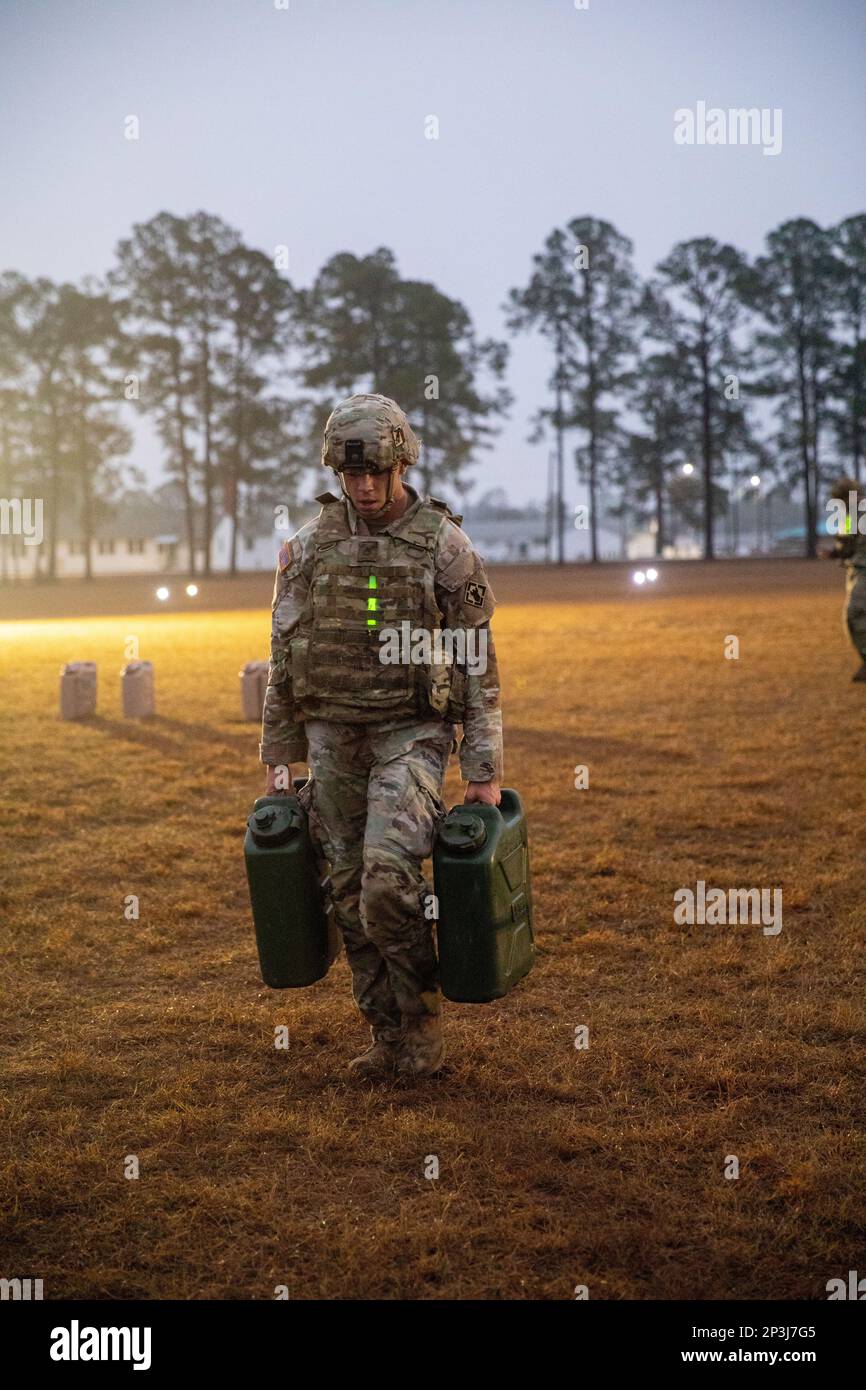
{"x": 162, "y": 594}
{"x": 652, "y": 576}
{"x": 755, "y": 480}
{"x": 688, "y": 469}
{"x": 639, "y": 577}
{"x": 192, "y": 590}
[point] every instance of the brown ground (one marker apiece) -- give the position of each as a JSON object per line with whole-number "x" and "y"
{"x": 558, "y": 1167}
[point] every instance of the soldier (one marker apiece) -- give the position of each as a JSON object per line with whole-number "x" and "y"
{"x": 378, "y": 734}
{"x": 850, "y": 547}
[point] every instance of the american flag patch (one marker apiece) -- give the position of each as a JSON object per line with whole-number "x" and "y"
{"x": 285, "y": 557}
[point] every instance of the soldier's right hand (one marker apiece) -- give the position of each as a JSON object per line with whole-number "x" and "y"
{"x": 286, "y": 780}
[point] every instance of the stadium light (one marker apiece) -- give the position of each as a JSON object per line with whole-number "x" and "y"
{"x": 192, "y": 590}
{"x": 688, "y": 469}
{"x": 639, "y": 577}
{"x": 652, "y": 576}
{"x": 162, "y": 594}
{"x": 755, "y": 480}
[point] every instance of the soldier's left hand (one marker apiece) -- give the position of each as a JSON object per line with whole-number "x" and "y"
{"x": 486, "y": 792}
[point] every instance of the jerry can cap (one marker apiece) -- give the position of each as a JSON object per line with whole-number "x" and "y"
{"x": 273, "y": 825}
{"x": 463, "y": 831}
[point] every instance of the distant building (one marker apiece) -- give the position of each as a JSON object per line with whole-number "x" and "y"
{"x": 258, "y": 538}
{"x": 758, "y": 525}
{"x": 515, "y": 535}
{"x": 144, "y": 534}
{"x": 642, "y": 546}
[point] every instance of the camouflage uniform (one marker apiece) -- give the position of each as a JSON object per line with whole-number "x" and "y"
{"x": 852, "y": 550}
{"x": 377, "y": 764}
{"x": 375, "y": 801}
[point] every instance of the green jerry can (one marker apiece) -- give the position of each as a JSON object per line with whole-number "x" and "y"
{"x": 296, "y": 934}
{"x": 481, "y": 876}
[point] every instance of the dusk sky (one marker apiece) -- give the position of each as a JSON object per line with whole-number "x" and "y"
{"x": 306, "y": 126}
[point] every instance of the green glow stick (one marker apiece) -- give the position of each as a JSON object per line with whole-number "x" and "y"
{"x": 372, "y": 603}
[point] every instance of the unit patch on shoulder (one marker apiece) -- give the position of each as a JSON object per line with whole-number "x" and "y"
{"x": 285, "y": 557}
{"x": 474, "y": 594}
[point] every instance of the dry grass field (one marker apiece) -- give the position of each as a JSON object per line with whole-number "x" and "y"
{"x": 558, "y": 1166}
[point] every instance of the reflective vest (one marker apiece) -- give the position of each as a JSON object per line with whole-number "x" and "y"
{"x": 362, "y": 586}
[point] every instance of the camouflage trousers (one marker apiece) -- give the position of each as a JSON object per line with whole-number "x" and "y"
{"x": 374, "y": 802}
{"x": 855, "y": 608}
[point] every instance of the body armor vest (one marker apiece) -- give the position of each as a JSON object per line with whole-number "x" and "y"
{"x": 360, "y": 587}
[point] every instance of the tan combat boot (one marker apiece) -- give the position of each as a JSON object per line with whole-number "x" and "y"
{"x": 423, "y": 1050}
{"x": 379, "y": 1060}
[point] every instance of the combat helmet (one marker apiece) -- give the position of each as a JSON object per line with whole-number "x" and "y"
{"x": 369, "y": 429}
{"x": 843, "y": 487}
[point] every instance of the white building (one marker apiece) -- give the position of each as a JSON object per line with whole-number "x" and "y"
{"x": 259, "y": 537}
{"x": 144, "y": 534}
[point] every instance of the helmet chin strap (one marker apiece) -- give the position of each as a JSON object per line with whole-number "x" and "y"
{"x": 392, "y": 472}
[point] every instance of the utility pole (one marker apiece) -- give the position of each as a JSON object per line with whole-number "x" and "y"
{"x": 548, "y": 510}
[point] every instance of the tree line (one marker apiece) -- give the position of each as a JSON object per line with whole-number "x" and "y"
{"x": 659, "y": 381}
{"x": 667, "y": 374}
